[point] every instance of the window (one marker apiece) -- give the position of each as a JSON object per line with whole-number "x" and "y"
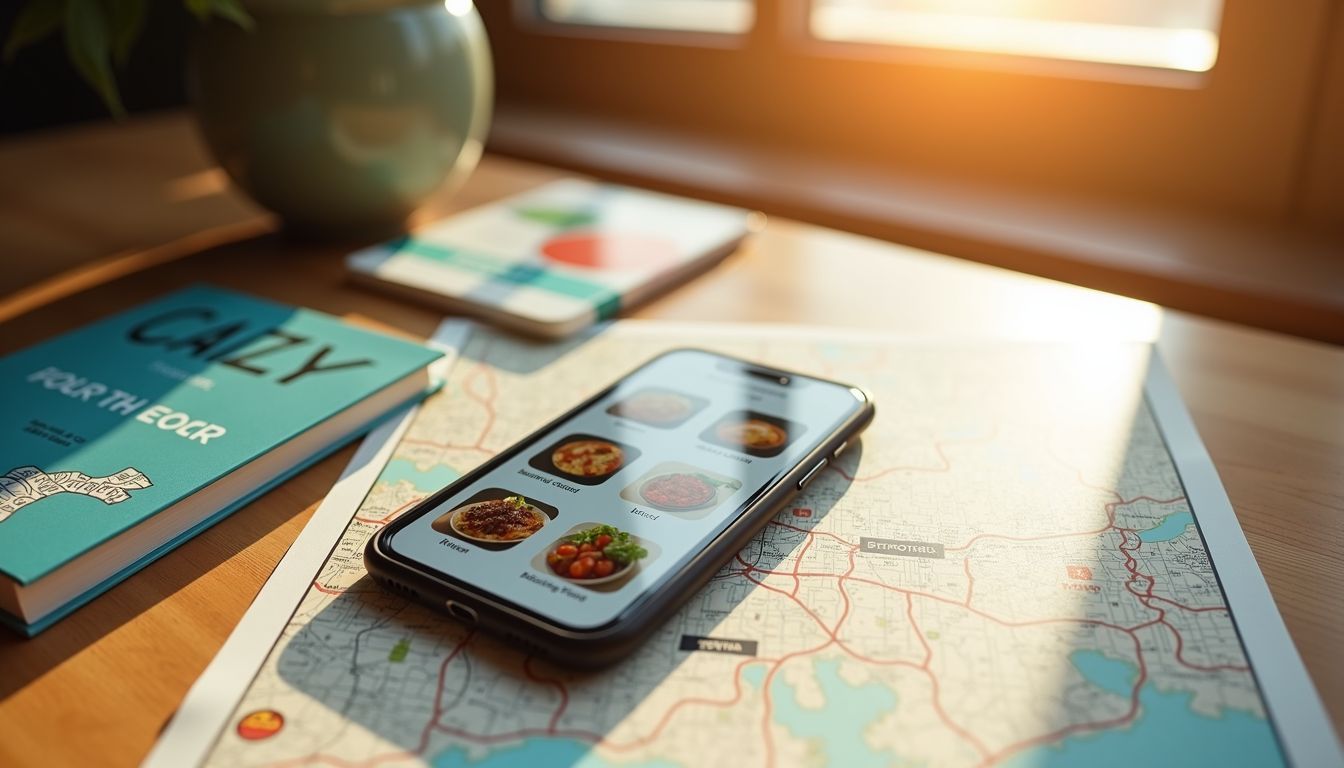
{"x": 723, "y": 16}
{"x": 1113, "y": 101}
{"x": 1171, "y": 34}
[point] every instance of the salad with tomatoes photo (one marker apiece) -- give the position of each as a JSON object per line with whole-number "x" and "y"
{"x": 595, "y": 555}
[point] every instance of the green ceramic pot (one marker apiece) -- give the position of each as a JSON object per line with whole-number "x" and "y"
{"x": 343, "y": 116}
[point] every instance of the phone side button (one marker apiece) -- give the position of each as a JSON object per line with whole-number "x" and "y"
{"x": 460, "y": 612}
{"x": 836, "y": 454}
{"x": 811, "y": 473}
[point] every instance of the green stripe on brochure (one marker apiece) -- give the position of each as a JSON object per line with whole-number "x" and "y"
{"x": 606, "y": 301}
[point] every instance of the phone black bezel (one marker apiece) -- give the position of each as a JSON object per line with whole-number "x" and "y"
{"x": 610, "y": 642}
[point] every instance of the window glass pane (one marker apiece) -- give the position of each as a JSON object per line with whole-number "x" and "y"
{"x": 732, "y": 16}
{"x": 1174, "y": 34}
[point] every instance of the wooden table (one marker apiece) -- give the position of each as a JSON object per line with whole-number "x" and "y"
{"x": 111, "y": 216}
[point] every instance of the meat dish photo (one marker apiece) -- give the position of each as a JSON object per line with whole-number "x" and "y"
{"x": 504, "y": 520}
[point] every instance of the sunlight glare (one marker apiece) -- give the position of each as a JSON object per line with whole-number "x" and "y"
{"x": 1021, "y": 32}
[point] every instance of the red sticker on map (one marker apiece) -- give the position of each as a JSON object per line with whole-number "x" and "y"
{"x": 261, "y": 724}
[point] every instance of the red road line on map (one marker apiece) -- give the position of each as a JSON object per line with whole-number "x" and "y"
{"x": 1110, "y": 508}
{"x": 883, "y": 473}
{"x": 518, "y": 735}
{"x": 551, "y": 729}
{"x": 768, "y": 709}
{"x": 390, "y": 516}
{"x": 1077, "y": 471}
{"x": 893, "y": 662}
{"x": 797, "y": 561}
{"x": 808, "y": 611}
{"x": 1180, "y": 645}
{"x": 936, "y": 692}
{"x": 825, "y": 629}
{"x": 1147, "y": 595}
{"x": 1068, "y": 730}
{"x": 956, "y": 728}
{"x": 1190, "y": 608}
{"x": 910, "y": 594}
{"x": 801, "y": 574}
{"x": 835, "y": 638}
{"x": 942, "y": 599}
{"x": 1136, "y": 499}
{"x": 1131, "y": 565}
{"x": 371, "y": 520}
{"x": 319, "y": 757}
{"x": 559, "y": 687}
{"x": 970, "y": 580}
{"x": 487, "y": 401}
{"x": 947, "y": 465}
{"x": 1043, "y": 537}
{"x": 996, "y": 619}
{"x": 937, "y": 446}
{"x": 445, "y": 446}
{"x": 662, "y": 723}
{"x": 840, "y": 585}
{"x": 599, "y": 739}
{"x": 924, "y": 667}
{"x": 1110, "y": 515}
{"x": 384, "y": 521}
{"x": 910, "y": 616}
{"x": 1129, "y": 715}
{"x": 812, "y": 532}
{"x": 423, "y": 744}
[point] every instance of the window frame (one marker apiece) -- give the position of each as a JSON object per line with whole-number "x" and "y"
{"x": 530, "y": 13}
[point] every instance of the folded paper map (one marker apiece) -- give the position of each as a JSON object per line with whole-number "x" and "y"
{"x": 1027, "y": 560}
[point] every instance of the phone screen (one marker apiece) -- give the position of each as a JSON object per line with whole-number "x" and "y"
{"x": 590, "y": 518}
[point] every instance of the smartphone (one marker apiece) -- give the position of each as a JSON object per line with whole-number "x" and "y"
{"x": 581, "y": 539}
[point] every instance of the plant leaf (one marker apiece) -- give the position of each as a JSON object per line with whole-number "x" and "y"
{"x": 233, "y": 11}
{"x": 553, "y": 217}
{"x": 199, "y": 8}
{"x": 88, "y": 41}
{"x": 126, "y": 19}
{"x": 225, "y": 9}
{"x": 37, "y": 20}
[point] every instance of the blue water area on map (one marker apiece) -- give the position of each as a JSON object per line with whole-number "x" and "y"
{"x": 426, "y": 480}
{"x": 1113, "y": 675}
{"x": 838, "y": 728}
{"x": 547, "y": 751}
{"x": 1170, "y": 527}
{"x": 1167, "y": 731}
{"x": 755, "y": 675}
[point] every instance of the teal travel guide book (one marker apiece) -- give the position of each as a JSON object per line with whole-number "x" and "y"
{"x": 123, "y": 438}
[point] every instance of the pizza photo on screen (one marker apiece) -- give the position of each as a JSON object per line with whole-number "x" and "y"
{"x": 584, "y": 459}
{"x": 752, "y": 433}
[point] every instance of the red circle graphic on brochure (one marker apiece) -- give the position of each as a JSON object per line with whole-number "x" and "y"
{"x": 609, "y": 250}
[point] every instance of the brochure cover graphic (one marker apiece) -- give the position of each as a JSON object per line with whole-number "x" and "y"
{"x": 565, "y": 254}
{"x": 108, "y": 424}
